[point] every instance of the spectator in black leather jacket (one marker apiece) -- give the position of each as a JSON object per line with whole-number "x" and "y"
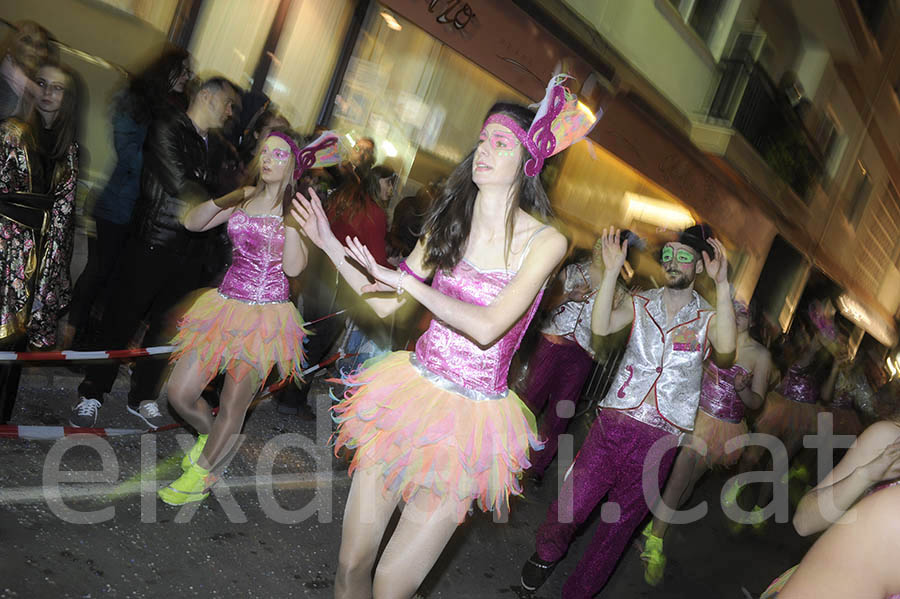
{"x": 163, "y": 262}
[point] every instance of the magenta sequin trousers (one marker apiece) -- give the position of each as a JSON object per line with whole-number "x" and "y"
{"x": 610, "y": 464}
{"x": 556, "y": 373}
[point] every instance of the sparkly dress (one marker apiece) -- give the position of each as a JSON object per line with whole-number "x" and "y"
{"x": 442, "y": 420}
{"x": 721, "y": 414}
{"x": 791, "y": 407}
{"x": 247, "y": 325}
{"x": 850, "y": 389}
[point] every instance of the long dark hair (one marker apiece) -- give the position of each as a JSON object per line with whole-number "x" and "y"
{"x": 450, "y": 219}
{"x": 349, "y": 199}
{"x": 148, "y": 91}
{"x": 63, "y": 129}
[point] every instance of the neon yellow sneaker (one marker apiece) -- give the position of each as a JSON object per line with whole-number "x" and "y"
{"x": 800, "y": 472}
{"x": 191, "y": 486}
{"x": 654, "y": 560}
{"x": 757, "y": 520}
{"x": 191, "y": 457}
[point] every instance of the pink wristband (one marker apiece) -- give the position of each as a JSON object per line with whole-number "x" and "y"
{"x": 405, "y": 268}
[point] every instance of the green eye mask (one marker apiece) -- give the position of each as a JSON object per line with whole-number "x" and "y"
{"x": 683, "y": 256}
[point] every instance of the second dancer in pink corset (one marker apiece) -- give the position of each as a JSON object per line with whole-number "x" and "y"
{"x": 248, "y": 325}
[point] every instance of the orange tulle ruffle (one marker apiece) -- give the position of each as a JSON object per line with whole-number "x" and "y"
{"x": 239, "y": 338}
{"x": 716, "y": 433}
{"x": 421, "y": 437}
{"x": 781, "y": 416}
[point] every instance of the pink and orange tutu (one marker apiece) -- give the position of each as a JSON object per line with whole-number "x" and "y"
{"x": 240, "y": 338}
{"x": 781, "y": 416}
{"x": 716, "y": 432}
{"x": 423, "y": 437}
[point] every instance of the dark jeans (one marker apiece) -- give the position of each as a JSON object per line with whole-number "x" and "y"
{"x": 150, "y": 283}
{"x": 104, "y": 253}
{"x": 10, "y": 372}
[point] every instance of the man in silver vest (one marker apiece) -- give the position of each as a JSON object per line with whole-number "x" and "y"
{"x": 654, "y": 394}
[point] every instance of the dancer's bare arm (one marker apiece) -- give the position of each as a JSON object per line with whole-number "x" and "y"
{"x": 212, "y": 213}
{"x": 753, "y": 392}
{"x": 314, "y": 223}
{"x": 722, "y": 329}
{"x": 295, "y": 253}
{"x": 874, "y": 457}
{"x": 483, "y": 324}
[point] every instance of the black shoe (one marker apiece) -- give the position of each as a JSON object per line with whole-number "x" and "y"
{"x": 535, "y": 572}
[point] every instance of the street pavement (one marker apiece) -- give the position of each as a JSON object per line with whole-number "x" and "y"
{"x": 277, "y": 534}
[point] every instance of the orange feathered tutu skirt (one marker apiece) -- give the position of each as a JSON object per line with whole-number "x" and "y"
{"x": 423, "y": 438}
{"x": 716, "y": 433}
{"x": 781, "y": 416}
{"x": 239, "y": 338}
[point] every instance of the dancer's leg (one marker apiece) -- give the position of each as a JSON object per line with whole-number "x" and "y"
{"x": 185, "y": 385}
{"x": 688, "y": 469}
{"x": 793, "y": 443}
{"x": 233, "y": 403}
{"x": 366, "y": 515}
{"x": 417, "y": 542}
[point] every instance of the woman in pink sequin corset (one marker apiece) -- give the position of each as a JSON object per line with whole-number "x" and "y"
{"x": 724, "y": 395}
{"x": 438, "y": 428}
{"x": 841, "y": 563}
{"x": 247, "y": 326}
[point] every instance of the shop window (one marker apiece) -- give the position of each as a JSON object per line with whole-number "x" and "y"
{"x": 831, "y": 141}
{"x": 229, "y": 38}
{"x": 421, "y": 101}
{"x": 861, "y": 189}
{"x": 157, "y": 13}
{"x": 306, "y": 57}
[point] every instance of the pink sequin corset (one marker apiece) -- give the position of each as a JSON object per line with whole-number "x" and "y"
{"x": 718, "y": 397}
{"x": 798, "y": 386}
{"x": 445, "y": 352}
{"x": 256, "y": 274}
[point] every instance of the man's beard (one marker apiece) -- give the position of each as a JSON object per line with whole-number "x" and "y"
{"x": 678, "y": 280}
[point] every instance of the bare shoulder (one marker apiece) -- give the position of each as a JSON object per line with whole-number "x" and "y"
{"x": 879, "y": 435}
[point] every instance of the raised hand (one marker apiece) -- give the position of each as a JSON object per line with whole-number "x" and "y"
{"x": 614, "y": 249}
{"x": 310, "y": 215}
{"x": 386, "y": 279}
{"x": 717, "y": 265}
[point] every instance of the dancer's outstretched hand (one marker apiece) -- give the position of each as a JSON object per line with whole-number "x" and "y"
{"x": 311, "y": 217}
{"x": 717, "y": 266}
{"x": 386, "y": 279}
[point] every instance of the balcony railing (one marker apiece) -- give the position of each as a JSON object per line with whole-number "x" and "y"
{"x": 750, "y": 102}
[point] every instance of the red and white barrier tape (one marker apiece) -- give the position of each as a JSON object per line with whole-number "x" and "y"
{"x": 113, "y": 354}
{"x": 57, "y": 356}
{"x": 51, "y": 433}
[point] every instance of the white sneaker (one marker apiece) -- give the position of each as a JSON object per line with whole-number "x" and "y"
{"x": 85, "y": 413}
{"x": 149, "y": 412}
